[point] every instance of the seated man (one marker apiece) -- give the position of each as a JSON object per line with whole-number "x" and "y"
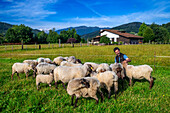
{"x": 120, "y": 57}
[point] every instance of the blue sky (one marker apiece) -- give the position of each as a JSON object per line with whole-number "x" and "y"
{"x": 48, "y": 14}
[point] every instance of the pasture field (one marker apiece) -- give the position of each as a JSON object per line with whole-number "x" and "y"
{"x": 21, "y": 95}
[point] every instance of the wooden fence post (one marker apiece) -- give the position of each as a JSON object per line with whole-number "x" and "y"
{"x": 12, "y": 47}
{"x": 87, "y": 42}
{"x": 39, "y": 46}
{"x": 5, "y": 47}
{"x": 59, "y": 43}
{"x": 48, "y": 45}
{"x": 154, "y": 60}
{"x": 35, "y": 45}
{"x": 22, "y": 45}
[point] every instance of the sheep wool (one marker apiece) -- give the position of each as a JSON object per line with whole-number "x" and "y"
{"x": 21, "y": 68}
{"x": 103, "y": 67}
{"x": 107, "y": 79}
{"x": 85, "y": 87}
{"x": 139, "y": 72}
{"x": 65, "y": 73}
{"x": 48, "y": 79}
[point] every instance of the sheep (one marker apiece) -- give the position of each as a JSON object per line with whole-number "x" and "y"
{"x": 65, "y": 73}
{"x": 72, "y": 59}
{"x": 103, "y": 67}
{"x": 138, "y": 72}
{"x": 107, "y": 79}
{"x": 65, "y": 63}
{"x": 58, "y": 60}
{"x": 78, "y": 61}
{"x": 33, "y": 62}
{"x": 85, "y": 87}
{"x": 119, "y": 70}
{"x": 40, "y": 60}
{"x": 94, "y": 65}
{"x": 44, "y": 79}
{"x": 21, "y": 68}
{"x": 44, "y": 68}
{"x": 47, "y": 60}
{"x": 66, "y": 58}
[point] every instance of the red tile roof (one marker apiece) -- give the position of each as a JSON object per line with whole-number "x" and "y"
{"x": 127, "y": 35}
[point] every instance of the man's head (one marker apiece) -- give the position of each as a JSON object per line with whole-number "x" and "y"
{"x": 117, "y": 50}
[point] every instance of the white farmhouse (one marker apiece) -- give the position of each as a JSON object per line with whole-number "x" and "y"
{"x": 117, "y": 36}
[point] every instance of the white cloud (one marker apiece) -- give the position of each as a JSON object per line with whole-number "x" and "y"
{"x": 29, "y": 9}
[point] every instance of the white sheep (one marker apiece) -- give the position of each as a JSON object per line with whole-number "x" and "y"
{"x": 65, "y": 63}
{"x": 66, "y": 58}
{"x": 103, "y": 67}
{"x": 138, "y": 72}
{"x": 47, "y": 60}
{"x": 107, "y": 79}
{"x": 21, "y": 68}
{"x": 41, "y": 59}
{"x": 65, "y": 73}
{"x": 119, "y": 70}
{"x": 85, "y": 87}
{"x": 33, "y": 62}
{"x": 58, "y": 60}
{"x": 44, "y": 68}
{"x": 94, "y": 65}
{"x": 48, "y": 79}
{"x": 72, "y": 59}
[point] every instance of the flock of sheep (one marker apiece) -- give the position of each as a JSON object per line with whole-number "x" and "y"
{"x": 83, "y": 79}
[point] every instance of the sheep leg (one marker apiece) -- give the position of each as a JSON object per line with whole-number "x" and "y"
{"x": 38, "y": 86}
{"x": 130, "y": 82}
{"x": 115, "y": 88}
{"x": 115, "y": 95}
{"x": 12, "y": 76}
{"x": 122, "y": 83}
{"x": 64, "y": 86}
{"x": 75, "y": 105}
{"x": 26, "y": 75}
{"x": 109, "y": 93}
{"x": 72, "y": 98}
{"x": 56, "y": 85}
{"x": 151, "y": 83}
{"x": 101, "y": 94}
{"x": 50, "y": 86}
{"x": 18, "y": 75}
{"x": 33, "y": 74}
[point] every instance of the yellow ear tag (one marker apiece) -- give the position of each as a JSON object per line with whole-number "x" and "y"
{"x": 91, "y": 67}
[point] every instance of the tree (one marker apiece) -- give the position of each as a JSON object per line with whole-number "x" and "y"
{"x": 161, "y": 34}
{"x": 1, "y": 38}
{"x": 11, "y": 36}
{"x": 83, "y": 40}
{"x": 52, "y": 36}
{"x": 142, "y": 29}
{"x": 42, "y": 36}
{"x": 148, "y": 35}
{"x": 19, "y": 33}
{"x": 105, "y": 40}
{"x": 23, "y": 32}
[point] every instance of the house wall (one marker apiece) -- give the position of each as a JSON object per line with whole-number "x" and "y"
{"x": 110, "y": 35}
{"x": 123, "y": 39}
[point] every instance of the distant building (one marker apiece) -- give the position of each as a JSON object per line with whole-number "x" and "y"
{"x": 117, "y": 36}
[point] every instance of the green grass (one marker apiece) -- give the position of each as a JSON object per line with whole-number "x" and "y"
{"x": 22, "y": 96}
